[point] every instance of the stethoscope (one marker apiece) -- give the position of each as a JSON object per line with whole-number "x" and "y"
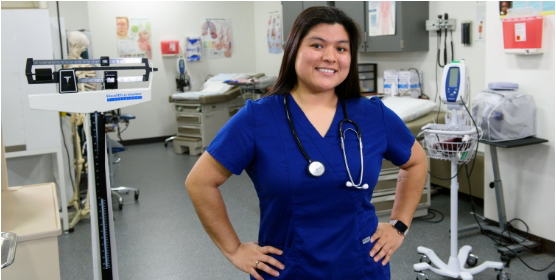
{"x": 316, "y": 168}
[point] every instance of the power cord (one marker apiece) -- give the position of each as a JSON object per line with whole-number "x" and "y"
{"x": 499, "y": 243}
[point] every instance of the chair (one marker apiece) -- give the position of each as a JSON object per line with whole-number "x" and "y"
{"x": 113, "y": 148}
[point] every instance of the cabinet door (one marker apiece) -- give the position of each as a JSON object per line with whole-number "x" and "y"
{"x": 290, "y": 11}
{"x": 387, "y": 43}
{"x": 356, "y": 10}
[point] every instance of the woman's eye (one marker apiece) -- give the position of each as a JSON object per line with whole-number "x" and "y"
{"x": 317, "y": 46}
{"x": 342, "y": 49}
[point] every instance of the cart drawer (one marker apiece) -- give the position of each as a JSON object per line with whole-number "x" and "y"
{"x": 366, "y": 67}
{"x": 188, "y": 118}
{"x": 366, "y": 75}
{"x": 386, "y": 203}
{"x": 386, "y": 185}
{"x": 188, "y": 108}
{"x": 189, "y": 130}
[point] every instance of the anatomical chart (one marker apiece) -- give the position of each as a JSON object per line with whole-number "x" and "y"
{"x": 382, "y": 18}
{"x": 217, "y": 37}
{"x": 134, "y": 37}
{"x": 274, "y": 33}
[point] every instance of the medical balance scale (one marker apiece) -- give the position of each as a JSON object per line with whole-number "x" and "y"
{"x": 93, "y": 104}
{"x": 456, "y": 142}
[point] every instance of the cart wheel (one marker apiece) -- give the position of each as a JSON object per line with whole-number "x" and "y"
{"x": 137, "y": 195}
{"x": 165, "y": 144}
{"x": 502, "y": 275}
{"x": 425, "y": 259}
{"x": 472, "y": 260}
{"x": 421, "y": 276}
{"x": 121, "y": 205}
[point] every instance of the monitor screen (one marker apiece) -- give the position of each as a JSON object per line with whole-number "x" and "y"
{"x": 454, "y": 73}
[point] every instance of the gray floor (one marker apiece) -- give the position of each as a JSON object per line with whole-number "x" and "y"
{"x": 160, "y": 236}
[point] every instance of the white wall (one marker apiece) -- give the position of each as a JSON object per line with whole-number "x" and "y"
{"x": 74, "y": 13}
{"x": 268, "y": 63}
{"x": 172, "y": 20}
{"x": 527, "y": 172}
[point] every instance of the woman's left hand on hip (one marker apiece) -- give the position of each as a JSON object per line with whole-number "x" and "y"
{"x": 388, "y": 240}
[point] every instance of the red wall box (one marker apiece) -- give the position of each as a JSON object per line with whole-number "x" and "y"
{"x": 170, "y": 47}
{"x": 523, "y": 35}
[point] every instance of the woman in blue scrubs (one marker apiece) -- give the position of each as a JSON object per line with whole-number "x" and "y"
{"x": 312, "y": 226}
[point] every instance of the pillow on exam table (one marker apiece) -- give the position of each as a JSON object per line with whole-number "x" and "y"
{"x": 408, "y": 109}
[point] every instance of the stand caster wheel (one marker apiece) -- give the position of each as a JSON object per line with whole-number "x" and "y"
{"x": 472, "y": 260}
{"x": 165, "y": 144}
{"x": 137, "y": 195}
{"x": 120, "y": 206}
{"x": 502, "y": 275}
{"x": 421, "y": 276}
{"x": 424, "y": 259}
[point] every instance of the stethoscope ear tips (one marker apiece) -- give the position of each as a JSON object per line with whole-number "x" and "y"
{"x": 349, "y": 184}
{"x": 366, "y": 186}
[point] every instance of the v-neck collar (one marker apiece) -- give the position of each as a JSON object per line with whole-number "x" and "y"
{"x": 299, "y": 116}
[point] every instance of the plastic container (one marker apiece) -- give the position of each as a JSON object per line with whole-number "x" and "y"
{"x": 523, "y": 31}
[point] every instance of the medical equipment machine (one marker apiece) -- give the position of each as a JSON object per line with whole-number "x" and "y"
{"x": 316, "y": 168}
{"x": 454, "y": 141}
{"x": 93, "y": 103}
{"x": 442, "y": 23}
{"x": 182, "y": 80}
{"x": 503, "y": 113}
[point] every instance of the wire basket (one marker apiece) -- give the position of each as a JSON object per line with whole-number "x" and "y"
{"x": 451, "y": 143}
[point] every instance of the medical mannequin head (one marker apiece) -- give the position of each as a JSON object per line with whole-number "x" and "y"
{"x": 78, "y": 42}
{"x": 304, "y": 52}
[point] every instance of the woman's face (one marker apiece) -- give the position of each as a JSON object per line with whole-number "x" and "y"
{"x": 323, "y": 58}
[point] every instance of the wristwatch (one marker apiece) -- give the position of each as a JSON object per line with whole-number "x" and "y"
{"x": 400, "y": 227}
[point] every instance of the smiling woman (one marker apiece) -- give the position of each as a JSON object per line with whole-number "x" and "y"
{"x": 314, "y": 223}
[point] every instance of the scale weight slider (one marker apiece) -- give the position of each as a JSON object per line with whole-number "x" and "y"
{"x": 110, "y": 79}
{"x": 68, "y": 81}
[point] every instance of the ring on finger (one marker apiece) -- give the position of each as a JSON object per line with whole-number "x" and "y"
{"x": 256, "y": 263}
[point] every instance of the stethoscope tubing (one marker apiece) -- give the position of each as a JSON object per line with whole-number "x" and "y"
{"x": 342, "y": 137}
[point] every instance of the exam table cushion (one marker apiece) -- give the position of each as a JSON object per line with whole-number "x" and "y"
{"x": 206, "y": 98}
{"x": 408, "y": 109}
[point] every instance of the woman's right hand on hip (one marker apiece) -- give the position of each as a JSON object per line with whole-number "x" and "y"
{"x": 250, "y": 257}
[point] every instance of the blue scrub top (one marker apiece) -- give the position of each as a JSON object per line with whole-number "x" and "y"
{"x": 322, "y": 226}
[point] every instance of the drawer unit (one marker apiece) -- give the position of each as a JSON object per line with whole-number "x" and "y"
{"x": 202, "y": 122}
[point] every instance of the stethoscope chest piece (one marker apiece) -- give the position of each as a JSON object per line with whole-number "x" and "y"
{"x": 316, "y": 168}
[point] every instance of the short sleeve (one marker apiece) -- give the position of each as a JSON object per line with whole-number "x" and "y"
{"x": 234, "y": 145}
{"x": 399, "y": 138}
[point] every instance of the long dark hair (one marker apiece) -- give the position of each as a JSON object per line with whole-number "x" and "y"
{"x": 309, "y": 18}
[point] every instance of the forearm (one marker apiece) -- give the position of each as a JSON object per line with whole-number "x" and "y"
{"x": 411, "y": 182}
{"x": 212, "y": 213}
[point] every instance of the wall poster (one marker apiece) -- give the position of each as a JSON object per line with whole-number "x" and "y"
{"x": 382, "y": 18}
{"x": 274, "y": 33}
{"x": 217, "y": 37}
{"x": 134, "y": 36}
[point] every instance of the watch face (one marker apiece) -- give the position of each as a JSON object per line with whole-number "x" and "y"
{"x": 401, "y": 227}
